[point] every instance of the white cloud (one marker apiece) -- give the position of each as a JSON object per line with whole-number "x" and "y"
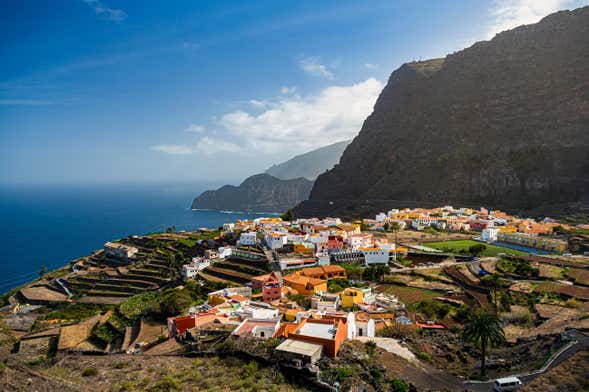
{"x": 110, "y": 14}
{"x": 258, "y": 103}
{"x": 205, "y": 145}
{"x": 209, "y": 146}
{"x": 312, "y": 66}
{"x": 195, "y": 128}
{"x": 297, "y": 124}
{"x": 288, "y": 90}
{"x": 508, "y": 14}
{"x": 173, "y": 149}
{"x": 371, "y": 66}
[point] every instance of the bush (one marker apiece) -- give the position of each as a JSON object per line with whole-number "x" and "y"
{"x": 424, "y": 356}
{"x": 477, "y": 249}
{"x": 88, "y": 372}
{"x": 345, "y": 372}
{"x": 398, "y": 385}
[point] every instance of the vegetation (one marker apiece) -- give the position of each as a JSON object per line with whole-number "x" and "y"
{"x": 88, "y": 372}
{"x": 520, "y": 268}
{"x": 168, "y": 302}
{"x": 433, "y": 309}
{"x": 75, "y": 312}
{"x": 463, "y": 247}
{"x": 484, "y": 330}
{"x": 287, "y": 216}
{"x": 398, "y": 385}
{"x": 477, "y": 249}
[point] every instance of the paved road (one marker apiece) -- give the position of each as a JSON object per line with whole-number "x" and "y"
{"x": 582, "y": 343}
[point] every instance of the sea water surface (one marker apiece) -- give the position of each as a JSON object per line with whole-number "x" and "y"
{"x": 50, "y": 225}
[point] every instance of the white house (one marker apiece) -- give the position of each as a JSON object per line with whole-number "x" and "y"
{"x": 365, "y": 327}
{"x": 224, "y": 252}
{"x": 377, "y": 255}
{"x": 325, "y": 302}
{"x": 228, "y": 226}
{"x": 198, "y": 264}
{"x": 490, "y": 234}
{"x": 357, "y": 241}
{"x": 248, "y": 238}
{"x": 296, "y": 237}
{"x": 120, "y": 250}
{"x": 381, "y": 217}
{"x": 275, "y": 240}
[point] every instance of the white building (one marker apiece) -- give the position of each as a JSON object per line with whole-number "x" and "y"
{"x": 122, "y": 251}
{"x": 248, "y": 238}
{"x": 228, "y": 226}
{"x": 296, "y": 237}
{"x": 258, "y": 310}
{"x": 275, "y": 240}
{"x": 381, "y": 217}
{"x": 224, "y": 252}
{"x": 325, "y": 302}
{"x": 377, "y": 255}
{"x": 490, "y": 234}
{"x": 357, "y": 241}
{"x": 198, "y": 264}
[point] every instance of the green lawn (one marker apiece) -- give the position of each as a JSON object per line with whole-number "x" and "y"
{"x": 457, "y": 246}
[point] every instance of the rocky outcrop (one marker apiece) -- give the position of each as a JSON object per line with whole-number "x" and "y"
{"x": 259, "y": 193}
{"x": 504, "y": 123}
{"x": 310, "y": 164}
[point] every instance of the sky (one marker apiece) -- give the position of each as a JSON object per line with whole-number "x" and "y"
{"x": 145, "y": 91}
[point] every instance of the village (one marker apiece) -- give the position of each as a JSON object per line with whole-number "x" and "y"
{"x": 373, "y": 304}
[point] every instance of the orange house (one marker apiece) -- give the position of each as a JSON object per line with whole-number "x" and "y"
{"x": 326, "y": 272}
{"x": 304, "y": 284}
{"x": 328, "y": 333}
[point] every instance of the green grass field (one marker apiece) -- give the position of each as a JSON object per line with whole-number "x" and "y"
{"x": 457, "y": 246}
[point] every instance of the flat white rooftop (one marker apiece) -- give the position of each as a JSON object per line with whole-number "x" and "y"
{"x": 325, "y": 331}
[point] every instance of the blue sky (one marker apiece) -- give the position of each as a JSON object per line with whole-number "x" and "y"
{"x": 112, "y": 90}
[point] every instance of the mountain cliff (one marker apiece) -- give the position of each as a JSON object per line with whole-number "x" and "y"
{"x": 281, "y": 187}
{"x": 311, "y": 164}
{"x": 503, "y": 123}
{"x": 259, "y": 193}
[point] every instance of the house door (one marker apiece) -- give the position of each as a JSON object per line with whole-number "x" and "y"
{"x": 360, "y": 332}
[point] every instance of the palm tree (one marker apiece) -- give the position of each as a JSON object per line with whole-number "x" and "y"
{"x": 484, "y": 329}
{"x": 394, "y": 227}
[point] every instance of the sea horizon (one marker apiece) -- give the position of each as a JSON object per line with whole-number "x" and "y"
{"x": 52, "y": 224}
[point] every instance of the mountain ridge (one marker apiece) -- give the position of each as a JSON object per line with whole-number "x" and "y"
{"x": 502, "y": 123}
{"x": 310, "y": 164}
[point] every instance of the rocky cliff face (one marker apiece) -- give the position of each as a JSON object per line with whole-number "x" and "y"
{"x": 259, "y": 193}
{"x": 504, "y": 123}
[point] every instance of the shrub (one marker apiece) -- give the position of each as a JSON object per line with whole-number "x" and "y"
{"x": 345, "y": 372}
{"x": 398, "y": 385}
{"x": 424, "y": 356}
{"x": 88, "y": 372}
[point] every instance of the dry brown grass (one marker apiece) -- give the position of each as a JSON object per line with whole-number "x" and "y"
{"x": 571, "y": 375}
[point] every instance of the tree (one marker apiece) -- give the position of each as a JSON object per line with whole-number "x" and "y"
{"x": 287, "y": 216}
{"x": 484, "y": 330}
{"x": 477, "y": 249}
{"x": 43, "y": 271}
{"x": 493, "y": 280}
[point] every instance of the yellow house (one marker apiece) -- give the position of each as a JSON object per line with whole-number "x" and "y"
{"x": 508, "y": 229}
{"x": 305, "y": 285}
{"x": 351, "y": 296}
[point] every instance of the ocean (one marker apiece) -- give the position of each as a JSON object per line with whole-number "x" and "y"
{"x": 50, "y": 225}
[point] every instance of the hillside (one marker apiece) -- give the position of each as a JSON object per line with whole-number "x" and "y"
{"x": 258, "y": 193}
{"x": 503, "y": 123}
{"x": 310, "y": 164}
